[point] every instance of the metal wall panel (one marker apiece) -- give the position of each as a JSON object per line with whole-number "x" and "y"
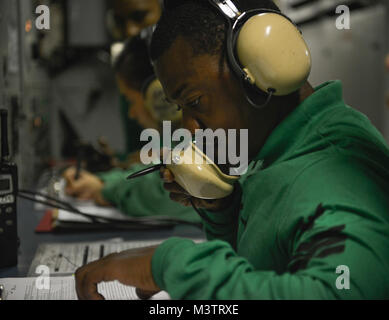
{"x": 86, "y": 23}
{"x": 353, "y": 56}
{"x": 24, "y": 90}
{"x": 3, "y": 42}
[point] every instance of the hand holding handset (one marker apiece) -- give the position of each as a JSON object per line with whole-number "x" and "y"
{"x": 196, "y": 173}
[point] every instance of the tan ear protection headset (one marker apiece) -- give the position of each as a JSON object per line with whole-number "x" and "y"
{"x": 266, "y": 51}
{"x": 156, "y": 103}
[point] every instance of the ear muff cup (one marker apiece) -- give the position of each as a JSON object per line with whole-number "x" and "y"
{"x": 273, "y": 53}
{"x": 267, "y": 52}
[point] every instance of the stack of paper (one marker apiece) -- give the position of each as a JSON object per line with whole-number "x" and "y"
{"x": 63, "y": 288}
{"x": 64, "y": 258}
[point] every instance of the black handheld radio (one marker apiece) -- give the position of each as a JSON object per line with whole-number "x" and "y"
{"x": 8, "y": 197}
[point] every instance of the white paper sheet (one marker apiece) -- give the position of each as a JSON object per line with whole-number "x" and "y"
{"x": 63, "y": 288}
{"x": 85, "y": 206}
{"x": 65, "y": 258}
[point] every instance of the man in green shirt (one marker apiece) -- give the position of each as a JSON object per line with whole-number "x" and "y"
{"x": 309, "y": 219}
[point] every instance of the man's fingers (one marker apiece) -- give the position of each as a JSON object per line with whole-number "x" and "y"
{"x": 181, "y": 198}
{"x": 89, "y": 287}
{"x": 175, "y": 188}
{"x": 130, "y": 267}
{"x": 180, "y": 195}
{"x": 86, "y": 283}
{"x": 144, "y": 294}
{"x": 79, "y": 276}
{"x": 166, "y": 175}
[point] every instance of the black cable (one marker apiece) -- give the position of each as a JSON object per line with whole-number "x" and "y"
{"x": 98, "y": 220}
{"x": 43, "y": 195}
{"x": 63, "y": 205}
{"x": 93, "y": 218}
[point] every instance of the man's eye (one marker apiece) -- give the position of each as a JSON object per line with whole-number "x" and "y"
{"x": 194, "y": 103}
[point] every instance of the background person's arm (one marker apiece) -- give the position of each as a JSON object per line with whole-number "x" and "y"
{"x": 144, "y": 196}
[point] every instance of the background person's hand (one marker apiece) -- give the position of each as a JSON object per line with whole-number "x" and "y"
{"x": 87, "y": 187}
{"x": 131, "y": 267}
{"x": 178, "y": 194}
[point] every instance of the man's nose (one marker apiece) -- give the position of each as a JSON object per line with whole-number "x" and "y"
{"x": 190, "y": 123}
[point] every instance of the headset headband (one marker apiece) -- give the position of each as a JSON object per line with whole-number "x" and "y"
{"x": 227, "y": 7}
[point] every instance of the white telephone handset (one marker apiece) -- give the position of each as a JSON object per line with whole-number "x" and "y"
{"x": 197, "y": 174}
{"x": 203, "y": 180}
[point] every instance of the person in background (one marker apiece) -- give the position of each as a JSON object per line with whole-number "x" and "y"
{"x": 129, "y": 17}
{"x": 132, "y": 68}
{"x": 138, "y": 197}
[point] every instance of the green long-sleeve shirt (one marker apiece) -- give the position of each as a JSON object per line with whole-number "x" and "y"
{"x": 314, "y": 201}
{"x": 142, "y": 197}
